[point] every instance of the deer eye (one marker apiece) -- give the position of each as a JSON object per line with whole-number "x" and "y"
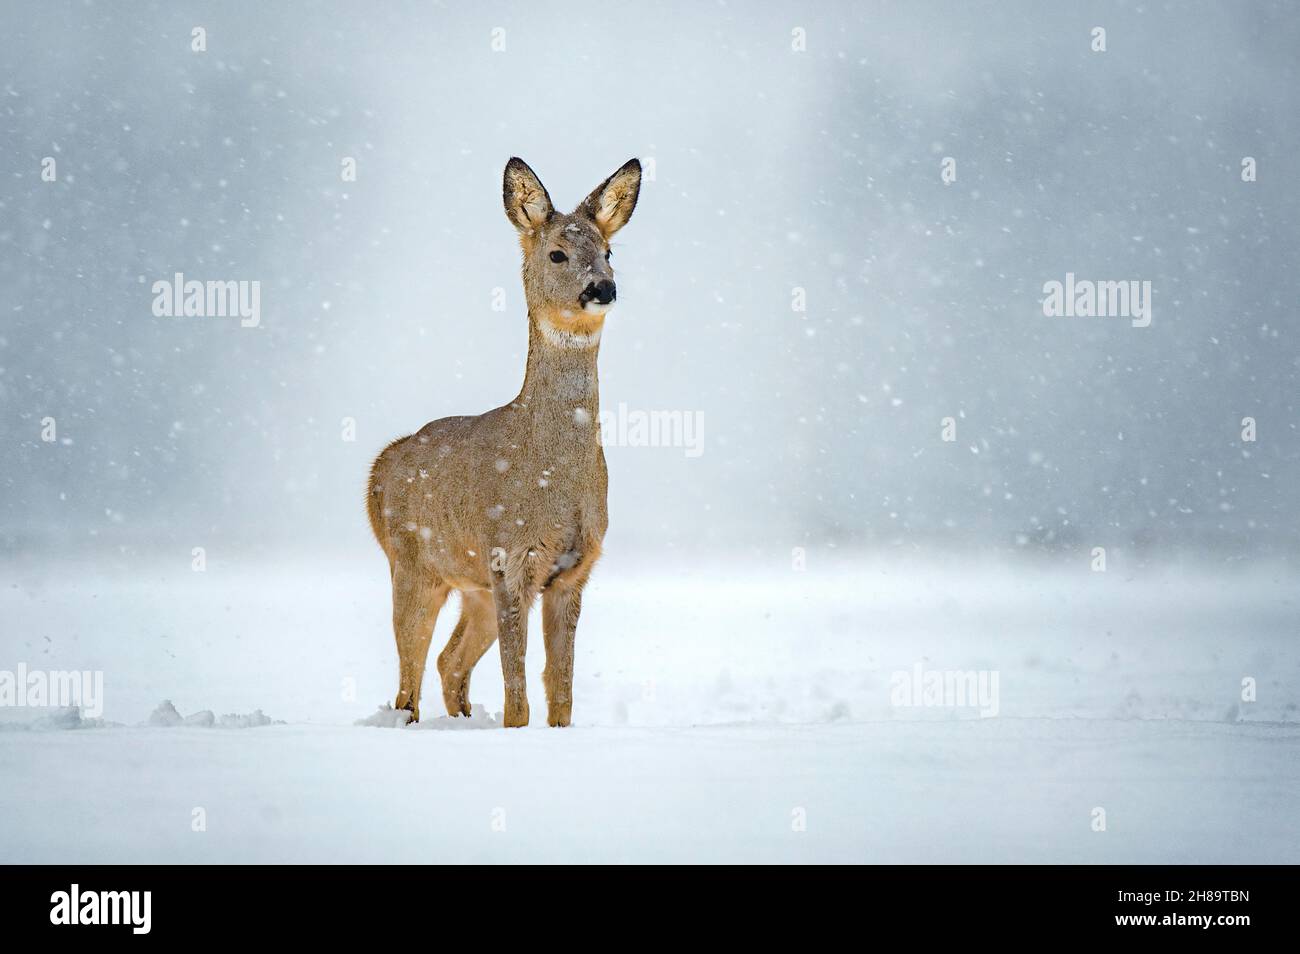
{"x": 608, "y": 253}
{"x": 557, "y": 256}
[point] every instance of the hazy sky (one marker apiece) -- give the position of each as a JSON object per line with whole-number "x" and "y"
{"x": 782, "y": 176}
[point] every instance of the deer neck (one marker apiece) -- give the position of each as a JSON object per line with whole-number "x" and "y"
{"x": 561, "y": 374}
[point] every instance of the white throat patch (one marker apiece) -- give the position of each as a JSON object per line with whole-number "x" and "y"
{"x": 564, "y": 338}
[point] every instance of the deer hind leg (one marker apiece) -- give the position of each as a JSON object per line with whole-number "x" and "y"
{"x": 474, "y": 635}
{"x": 561, "y": 606}
{"x": 417, "y": 598}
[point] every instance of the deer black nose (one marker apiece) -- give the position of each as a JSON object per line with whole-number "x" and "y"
{"x": 602, "y": 292}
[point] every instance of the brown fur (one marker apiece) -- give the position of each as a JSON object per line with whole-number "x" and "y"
{"x": 510, "y": 504}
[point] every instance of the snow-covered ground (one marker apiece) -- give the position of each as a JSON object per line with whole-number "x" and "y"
{"x": 739, "y": 711}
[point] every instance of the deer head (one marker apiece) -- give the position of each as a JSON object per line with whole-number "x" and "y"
{"x": 568, "y": 278}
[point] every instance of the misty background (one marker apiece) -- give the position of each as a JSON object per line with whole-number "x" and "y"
{"x": 774, "y": 169}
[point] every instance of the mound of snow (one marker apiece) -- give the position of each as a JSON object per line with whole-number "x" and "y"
{"x": 386, "y": 717}
{"x": 479, "y": 718}
{"x": 247, "y": 720}
{"x": 44, "y": 720}
{"x": 166, "y": 716}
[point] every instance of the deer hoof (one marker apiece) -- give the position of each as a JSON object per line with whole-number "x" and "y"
{"x": 516, "y": 716}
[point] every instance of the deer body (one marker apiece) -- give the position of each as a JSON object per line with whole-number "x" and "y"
{"x": 512, "y": 503}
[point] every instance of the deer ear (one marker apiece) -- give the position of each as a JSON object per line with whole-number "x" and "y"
{"x": 612, "y": 202}
{"x": 527, "y": 204}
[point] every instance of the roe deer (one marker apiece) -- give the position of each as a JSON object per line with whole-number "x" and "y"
{"x": 511, "y": 503}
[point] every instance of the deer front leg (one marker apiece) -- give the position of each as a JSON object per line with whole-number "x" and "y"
{"x": 561, "y": 606}
{"x": 512, "y": 637}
